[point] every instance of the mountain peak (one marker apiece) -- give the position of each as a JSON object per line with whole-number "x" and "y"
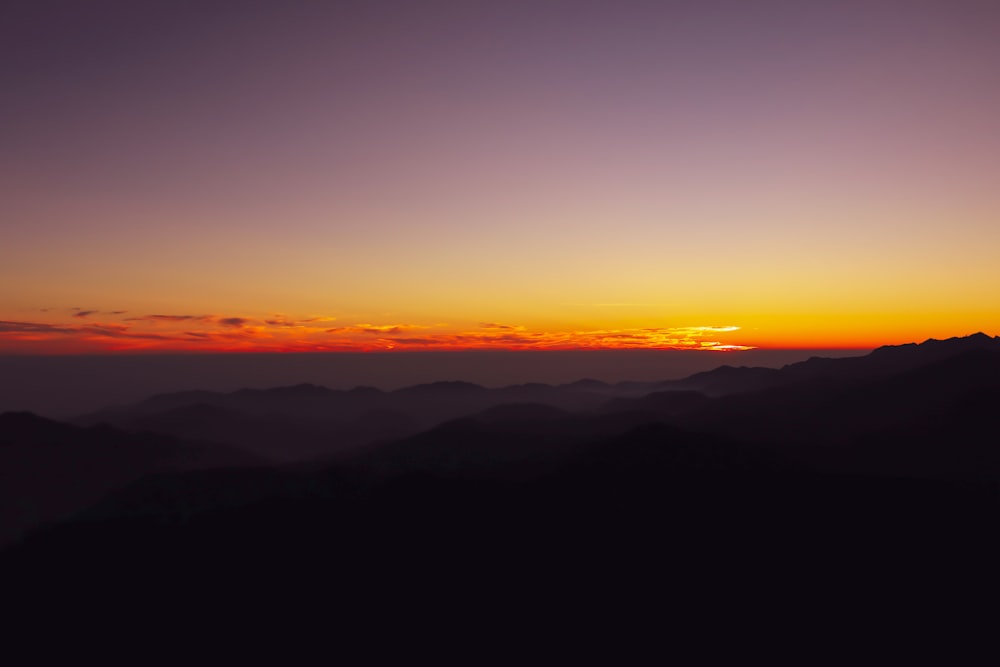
{"x": 978, "y": 340}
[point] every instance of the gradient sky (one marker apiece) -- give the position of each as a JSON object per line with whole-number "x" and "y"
{"x": 424, "y": 175}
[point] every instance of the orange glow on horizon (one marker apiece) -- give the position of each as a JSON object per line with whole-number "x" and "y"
{"x": 213, "y": 333}
{"x": 97, "y": 332}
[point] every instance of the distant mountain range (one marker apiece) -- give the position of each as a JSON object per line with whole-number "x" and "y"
{"x": 450, "y": 487}
{"x": 880, "y": 362}
{"x": 309, "y": 421}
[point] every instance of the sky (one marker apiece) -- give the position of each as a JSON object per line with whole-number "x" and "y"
{"x": 373, "y": 176}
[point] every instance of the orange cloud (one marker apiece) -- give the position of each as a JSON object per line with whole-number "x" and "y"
{"x": 165, "y": 332}
{"x": 170, "y": 318}
{"x": 384, "y": 328}
{"x": 281, "y": 320}
{"x": 503, "y": 327}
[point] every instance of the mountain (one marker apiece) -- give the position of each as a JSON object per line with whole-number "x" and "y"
{"x": 660, "y": 403}
{"x": 603, "y": 527}
{"x": 727, "y": 380}
{"x": 935, "y": 418}
{"x": 48, "y": 469}
{"x": 835, "y": 483}
{"x": 307, "y": 421}
{"x": 816, "y": 401}
{"x": 882, "y": 361}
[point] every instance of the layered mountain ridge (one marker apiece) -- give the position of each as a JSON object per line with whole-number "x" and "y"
{"x": 424, "y": 489}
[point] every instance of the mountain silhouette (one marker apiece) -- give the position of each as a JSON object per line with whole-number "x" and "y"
{"x": 48, "y": 469}
{"x": 818, "y": 401}
{"x": 810, "y": 486}
{"x": 307, "y": 421}
{"x": 881, "y": 361}
{"x": 929, "y": 418}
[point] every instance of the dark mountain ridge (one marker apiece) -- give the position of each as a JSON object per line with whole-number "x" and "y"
{"x": 317, "y": 420}
{"x": 884, "y": 360}
{"x": 843, "y": 477}
{"x": 307, "y": 421}
{"x": 48, "y": 469}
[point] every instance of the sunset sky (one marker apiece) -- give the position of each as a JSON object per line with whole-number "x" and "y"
{"x": 202, "y": 175}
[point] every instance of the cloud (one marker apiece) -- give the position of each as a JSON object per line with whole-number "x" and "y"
{"x": 281, "y": 320}
{"x": 504, "y": 327}
{"x": 34, "y": 327}
{"x": 226, "y": 336}
{"x": 494, "y": 336}
{"x": 208, "y": 319}
{"x": 286, "y": 333}
{"x": 87, "y": 313}
{"x": 85, "y": 331}
{"x": 703, "y": 330}
{"x": 382, "y": 329}
{"x": 170, "y": 318}
{"x": 108, "y": 331}
{"x": 224, "y": 321}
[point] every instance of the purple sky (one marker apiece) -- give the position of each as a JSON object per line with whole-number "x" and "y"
{"x": 818, "y": 174}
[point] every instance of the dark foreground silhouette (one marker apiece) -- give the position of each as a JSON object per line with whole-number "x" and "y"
{"x": 831, "y": 494}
